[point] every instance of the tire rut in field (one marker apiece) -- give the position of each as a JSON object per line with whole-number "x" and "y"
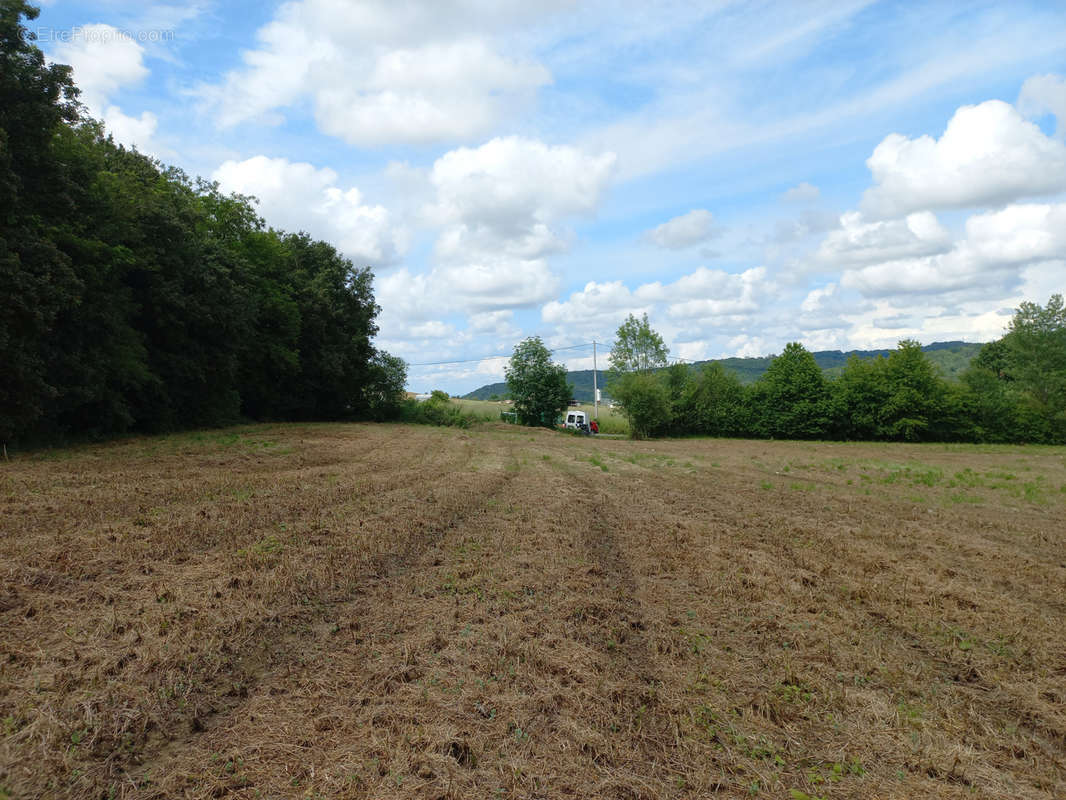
{"x": 452, "y": 501}
{"x": 653, "y": 756}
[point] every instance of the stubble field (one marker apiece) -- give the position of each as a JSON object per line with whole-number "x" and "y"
{"x": 384, "y": 611}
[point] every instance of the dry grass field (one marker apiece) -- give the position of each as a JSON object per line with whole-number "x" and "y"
{"x": 397, "y": 612}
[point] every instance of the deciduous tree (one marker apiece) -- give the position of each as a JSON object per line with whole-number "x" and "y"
{"x": 538, "y": 386}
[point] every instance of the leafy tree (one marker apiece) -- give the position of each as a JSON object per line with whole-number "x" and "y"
{"x": 538, "y": 387}
{"x": 1036, "y": 357}
{"x": 37, "y": 280}
{"x": 637, "y": 348}
{"x": 644, "y": 396}
{"x": 645, "y": 401}
{"x": 713, "y": 402}
{"x": 916, "y": 394}
{"x": 899, "y": 397}
{"x": 791, "y": 401}
{"x": 994, "y": 358}
{"x": 337, "y": 312}
{"x": 676, "y": 379}
{"x": 384, "y": 392}
{"x": 860, "y": 395}
{"x": 136, "y": 298}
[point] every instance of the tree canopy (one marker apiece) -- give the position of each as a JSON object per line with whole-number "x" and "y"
{"x": 637, "y": 348}
{"x": 138, "y": 299}
{"x": 538, "y": 386}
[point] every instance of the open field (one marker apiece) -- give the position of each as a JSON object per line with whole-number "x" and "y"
{"x": 385, "y": 611}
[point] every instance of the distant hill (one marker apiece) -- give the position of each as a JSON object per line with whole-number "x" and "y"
{"x": 951, "y": 358}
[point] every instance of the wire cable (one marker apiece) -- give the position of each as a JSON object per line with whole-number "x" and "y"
{"x": 490, "y": 358}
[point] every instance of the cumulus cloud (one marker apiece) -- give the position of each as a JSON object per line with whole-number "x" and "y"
{"x": 857, "y": 242}
{"x": 381, "y": 72}
{"x": 802, "y": 193}
{"x": 502, "y": 209}
{"x": 598, "y": 305}
{"x": 816, "y": 298}
{"x": 701, "y": 300}
{"x": 745, "y": 346}
{"x": 988, "y": 155}
{"x": 1045, "y": 94}
{"x": 708, "y": 293}
{"x": 510, "y": 184}
{"x": 810, "y": 221}
{"x": 106, "y": 60}
{"x": 298, "y": 196}
{"x": 826, "y": 309}
{"x": 684, "y": 231}
{"x": 989, "y": 261}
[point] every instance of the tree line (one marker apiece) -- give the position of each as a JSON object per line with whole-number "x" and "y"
{"x": 139, "y": 299}
{"x": 1013, "y": 391}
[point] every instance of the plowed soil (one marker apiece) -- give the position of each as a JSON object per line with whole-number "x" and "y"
{"x": 406, "y": 612}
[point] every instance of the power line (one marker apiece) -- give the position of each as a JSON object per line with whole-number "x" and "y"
{"x": 490, "y": 358}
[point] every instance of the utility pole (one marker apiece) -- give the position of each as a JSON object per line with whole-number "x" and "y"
{"x": 595, "y": 386}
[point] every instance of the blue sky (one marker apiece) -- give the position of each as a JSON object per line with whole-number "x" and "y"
{"x": 844, "y": 174}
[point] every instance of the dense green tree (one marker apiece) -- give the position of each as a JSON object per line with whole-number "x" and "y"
{"x": 645, "y": 401}
{"x": 916, "y": 394}
{"x": 713, "y": 403}
{"x": 337, "y": 322}
{"x": 993, "y": 357}
{"x": 646, "y": 394}
{"x": 1036, "y": 359}
{"x": 37, "y": 280}
{"x": 676, "y": 379}
{"x": 989, "y": 408}
{"x": 860, "y": 395}
{"x": 791, "y": 401}
{"x": 139, "y": 299}
{"x": 537, "y": 385}
{"x": 384, "y": 391}
{"x": 901, "y": 397}
{"x": 637, "y": 348}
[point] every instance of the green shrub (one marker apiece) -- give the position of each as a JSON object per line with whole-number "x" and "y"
{"x": 438, "y": 410}
{"x": 645, "y": 401}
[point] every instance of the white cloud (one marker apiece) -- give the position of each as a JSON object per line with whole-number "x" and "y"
{"x": 708, "y": 293}
{"x": 499, "y": 324}
{"x": 826, "y": 309}
{"x": 745, "y": 346}
{"x": 298, "y": 196}
{"x": 802, "y": 193}
{"x": 131, "y": 130}
{"x": 106, "y": 60}
{"x": 514, "y": 183}
{"x": 502, "y": 209}
{"x": 988, "y": 262}
{"x": 988, "y": 155}
{"x": 705, "y": 299}
{"x": 598, "y": 305}
{"x": 1045, "y": 94}
{"x": 380, "y": 72}
{"x": 817, "y": 297}
{"x": 494, "y": 286}
{"x": 684, "y": 231}
{"x": 859, "y": 242}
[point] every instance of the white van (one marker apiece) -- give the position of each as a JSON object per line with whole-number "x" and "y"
{"x": 577, "y": 420}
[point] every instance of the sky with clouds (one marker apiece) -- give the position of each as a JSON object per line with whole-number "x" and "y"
{"x": 844, "y": 173}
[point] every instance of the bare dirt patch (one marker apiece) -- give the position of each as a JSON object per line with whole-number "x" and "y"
{"x": 391, "y": 611}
